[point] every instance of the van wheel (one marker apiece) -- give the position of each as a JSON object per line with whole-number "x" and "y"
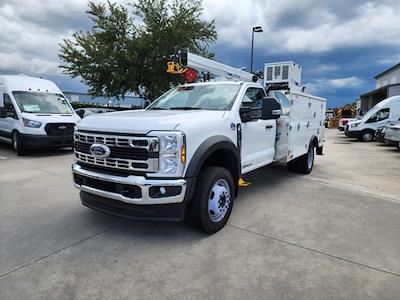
{"x": 304, "y": 163}
{"x": 366, "y": 136}
{"x": 17, "y": 143}
{"x": 213, "y": 201}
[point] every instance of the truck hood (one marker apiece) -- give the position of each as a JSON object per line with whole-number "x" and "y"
{"x": 51, "y": 118}
{"x": 144, "y": 121}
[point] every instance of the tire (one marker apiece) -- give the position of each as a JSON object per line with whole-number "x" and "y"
{"x": 304, "y": 164}
{"x": 292, "y": 165}
{"x": 215, "y": 190}
{"x": 366, "y": 136}
{"x": 17, "y": 144}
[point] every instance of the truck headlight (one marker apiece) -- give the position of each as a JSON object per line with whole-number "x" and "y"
{"x": 172, "y": 153}
{"x": 31, "y": 123}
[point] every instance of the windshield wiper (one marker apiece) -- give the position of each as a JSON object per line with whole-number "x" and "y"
{"x": 157, "y": 108}
{"x": 186, "y": 108}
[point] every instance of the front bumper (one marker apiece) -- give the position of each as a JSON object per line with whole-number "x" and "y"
{"x": 43, "y": 141}
{"x": 391, "y": 142}
{"x": 352, "y": 133}
{"x": 160, "y": 212}
{"x": 130, "y": 189}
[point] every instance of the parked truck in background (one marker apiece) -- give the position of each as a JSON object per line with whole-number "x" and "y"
{"x": 346, "y": 115}
{"x": 185, "y": 154}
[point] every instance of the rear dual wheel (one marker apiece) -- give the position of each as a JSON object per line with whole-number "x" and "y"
{"x": 304, "y": 163}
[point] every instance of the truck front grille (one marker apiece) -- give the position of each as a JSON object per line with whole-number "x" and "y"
{"x": 126, "y": 152}
{"x": 59, "y": 129}
{"x": 118, "y": 152}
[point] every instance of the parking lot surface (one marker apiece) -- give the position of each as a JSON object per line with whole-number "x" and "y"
{"x": 333, "y": 234}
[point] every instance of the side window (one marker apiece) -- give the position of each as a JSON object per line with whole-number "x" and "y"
{"x": 285, "y": 103}
{"x": 9, "y": 107}
{"x": 253, "y": 97}
{"x": 381, "y": 115}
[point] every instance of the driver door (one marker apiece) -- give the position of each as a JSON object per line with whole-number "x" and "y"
{"x": 258, "y": 136}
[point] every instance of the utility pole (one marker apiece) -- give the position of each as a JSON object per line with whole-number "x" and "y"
{"x": 255, "y": 29}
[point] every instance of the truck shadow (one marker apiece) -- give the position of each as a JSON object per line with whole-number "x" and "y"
{"x": 159, "y": 232}
{"x": 271, "y": 175}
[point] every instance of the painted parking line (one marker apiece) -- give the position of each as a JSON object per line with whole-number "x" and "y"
{"x": 3, "y": 157}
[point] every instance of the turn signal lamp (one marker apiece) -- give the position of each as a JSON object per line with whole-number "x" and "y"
{"x": 183, "y": 154}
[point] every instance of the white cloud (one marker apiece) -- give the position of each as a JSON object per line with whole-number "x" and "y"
{"x": 390, "y": 60}
{"x": 32, "y": 29}
{"x": 332, "y": 85}
{"x": 320, "y": 69}
{"x": 307, "y": 26}
{"x": 35, "y": 66}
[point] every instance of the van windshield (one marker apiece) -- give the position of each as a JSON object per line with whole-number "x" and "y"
{"x": 369, "y": 113}
{"x": 207, "y": 97}
{"x": 36, "y": 102}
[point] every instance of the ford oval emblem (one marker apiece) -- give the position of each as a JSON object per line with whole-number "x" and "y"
{"x": 100, "y": 150}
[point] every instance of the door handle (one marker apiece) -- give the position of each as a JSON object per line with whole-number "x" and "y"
{"x": 268, "y": 127}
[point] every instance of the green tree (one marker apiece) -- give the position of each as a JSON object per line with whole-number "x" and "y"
{"x": 127, "y": 52}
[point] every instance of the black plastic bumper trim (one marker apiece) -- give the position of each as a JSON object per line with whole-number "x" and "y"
{"x": 156, "y": 212}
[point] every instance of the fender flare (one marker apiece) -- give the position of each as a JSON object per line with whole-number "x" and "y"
{"x": 206, "y": 148}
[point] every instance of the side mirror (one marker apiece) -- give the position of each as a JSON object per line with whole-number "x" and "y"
{"x": 270, "y": 109}
{"x": 248, "y": 114}
{"x": 146, "y": 103}
{"x": 2, "y": 112}
{"x": 80, "y": 113}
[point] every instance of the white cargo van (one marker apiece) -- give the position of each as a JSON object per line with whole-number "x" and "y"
{"x": 34, "y": 113}
{"x": 382, "y": 114}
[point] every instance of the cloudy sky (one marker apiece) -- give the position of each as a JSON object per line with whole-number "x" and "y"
{"x": 340, "y": 44}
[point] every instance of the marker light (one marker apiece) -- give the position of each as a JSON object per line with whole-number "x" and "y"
{"x": 183, "y": 154}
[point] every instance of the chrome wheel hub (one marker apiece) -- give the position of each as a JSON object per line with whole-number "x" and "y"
{"x": 219, "y": 200}
{"x": 367, "y": 137}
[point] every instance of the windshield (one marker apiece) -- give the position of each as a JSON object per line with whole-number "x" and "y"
{"x": 207, "y": 97}
{"x": 35, "y": 102}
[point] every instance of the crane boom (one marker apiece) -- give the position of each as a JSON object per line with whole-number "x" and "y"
{"x": 183, "y": 59}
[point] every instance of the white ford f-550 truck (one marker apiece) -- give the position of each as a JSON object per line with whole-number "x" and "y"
{"x": 185, "y": 154}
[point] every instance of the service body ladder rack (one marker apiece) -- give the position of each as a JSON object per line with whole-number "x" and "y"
{"x": 182, "y": 60}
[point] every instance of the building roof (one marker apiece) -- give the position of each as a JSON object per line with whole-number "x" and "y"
{"x": 378, "y": 90}
{"x": 388, "y": 71}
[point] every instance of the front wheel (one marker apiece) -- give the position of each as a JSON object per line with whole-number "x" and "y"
{"x": 17, "y": 144}
{"x": 213, "y": 200}
{"x": 367, "y": 136}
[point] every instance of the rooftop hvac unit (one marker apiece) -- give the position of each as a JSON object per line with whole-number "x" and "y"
{"x": 286, "y": 72}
